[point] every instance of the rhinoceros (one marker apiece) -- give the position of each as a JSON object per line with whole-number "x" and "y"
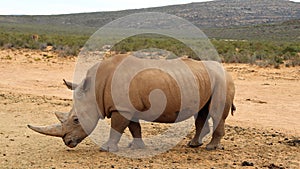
{"x": 93, "y": 100}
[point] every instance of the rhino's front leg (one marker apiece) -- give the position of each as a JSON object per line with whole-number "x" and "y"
{"x": 118, "y": 125}
{"x": 135, "y": 130}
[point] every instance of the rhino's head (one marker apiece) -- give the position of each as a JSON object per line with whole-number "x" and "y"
{"x": 80, "y": 121}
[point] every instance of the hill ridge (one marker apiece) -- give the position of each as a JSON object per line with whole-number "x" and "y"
{"x": 221, "y": 13}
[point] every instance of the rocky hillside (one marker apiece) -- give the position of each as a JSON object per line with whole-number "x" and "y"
{"x": 222, "y": 13}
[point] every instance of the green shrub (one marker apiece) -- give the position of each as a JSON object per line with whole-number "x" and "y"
{"x": 69, "y": 42}
{"x": 146, "y": 41}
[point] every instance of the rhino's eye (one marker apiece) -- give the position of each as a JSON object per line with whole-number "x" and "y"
{"x": 75, "y": 120}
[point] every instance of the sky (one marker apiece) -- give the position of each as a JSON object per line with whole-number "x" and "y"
{"x": 42, "y": 7}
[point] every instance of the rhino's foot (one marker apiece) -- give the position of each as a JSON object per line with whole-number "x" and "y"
{"x": 194, "y": 144}
{"x": 109, "y": 147}
{"x": 137, "y": 143}
{"x": 210, "y": 147}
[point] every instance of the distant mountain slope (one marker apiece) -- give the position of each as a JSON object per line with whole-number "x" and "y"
{"x": 222, "y": 13}
{"x": 282, "y": 31}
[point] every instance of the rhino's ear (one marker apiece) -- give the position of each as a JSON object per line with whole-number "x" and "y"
{"x": 70, "y": 85}
{"x": 86, "y": 84}
{"x": 62, "y": 117}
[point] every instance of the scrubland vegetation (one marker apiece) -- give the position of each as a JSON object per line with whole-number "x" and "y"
{"x": 253, "y": 49}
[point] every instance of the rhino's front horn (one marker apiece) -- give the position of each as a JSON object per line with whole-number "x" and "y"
{"x": 52, "y": 130}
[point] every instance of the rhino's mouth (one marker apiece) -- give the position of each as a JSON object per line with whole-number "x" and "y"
{"x": 71, "y": 142}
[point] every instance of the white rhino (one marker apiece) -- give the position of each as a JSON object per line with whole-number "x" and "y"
{"x": 93, "y": 100}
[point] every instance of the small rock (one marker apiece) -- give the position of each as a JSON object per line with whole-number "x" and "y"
{"x": 247, "y": 163}
{"x": 273, "y": 166}
{"x": 112, "y": 166}
{"x": 11, "y": 139}
{"x": 293, "y": 142}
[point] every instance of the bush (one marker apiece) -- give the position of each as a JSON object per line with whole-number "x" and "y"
{"x": 257, "y": 52}
{"x": 146, "y": 41}
{"x": 237, "y": 51}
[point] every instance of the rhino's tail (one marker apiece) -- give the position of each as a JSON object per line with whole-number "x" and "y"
{"x": 233, "y": 109}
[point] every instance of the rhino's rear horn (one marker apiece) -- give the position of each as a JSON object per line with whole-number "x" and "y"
{"x": 71, "y": 86}
{"x": 52, "y": 130}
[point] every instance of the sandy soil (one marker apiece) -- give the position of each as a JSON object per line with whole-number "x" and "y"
{"x": 264, "y": 132}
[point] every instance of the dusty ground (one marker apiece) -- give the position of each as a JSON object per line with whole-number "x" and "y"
{"x": 264, "y": 131}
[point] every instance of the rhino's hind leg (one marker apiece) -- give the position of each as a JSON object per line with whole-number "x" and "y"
{"x": 217, "y": 136}
{"x": 135, "y": 130}
{"x": 202, "y": 127}
{"x": 219, "y": 129}
{"x": 118, "y": 125}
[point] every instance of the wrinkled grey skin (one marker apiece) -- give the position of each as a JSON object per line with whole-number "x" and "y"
{"x": 88, "y": 109}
